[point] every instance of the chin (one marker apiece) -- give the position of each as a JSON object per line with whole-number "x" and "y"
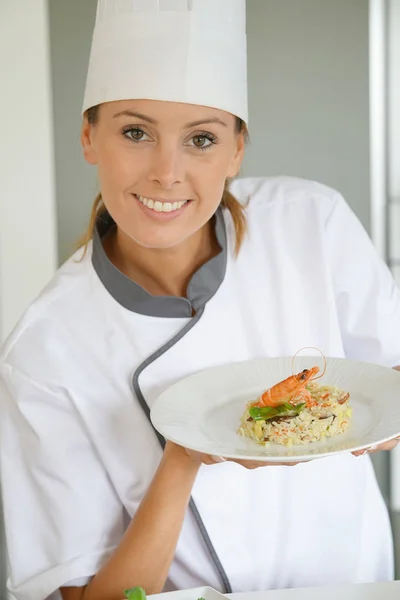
{"x": 157, "y": 242}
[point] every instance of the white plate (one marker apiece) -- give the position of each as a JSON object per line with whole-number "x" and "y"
{"x": 207, "y": 593}
{"x": 202, "y": 412}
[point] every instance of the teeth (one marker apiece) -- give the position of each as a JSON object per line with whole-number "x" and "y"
{"x": 161, "y": 206}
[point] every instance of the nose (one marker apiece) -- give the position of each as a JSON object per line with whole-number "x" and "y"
{"x": 166, "y": 167}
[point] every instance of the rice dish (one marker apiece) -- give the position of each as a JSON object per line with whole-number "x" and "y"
{"x": 327, "y": 415}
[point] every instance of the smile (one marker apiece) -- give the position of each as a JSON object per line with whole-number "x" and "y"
{"x": 158, "y": 206}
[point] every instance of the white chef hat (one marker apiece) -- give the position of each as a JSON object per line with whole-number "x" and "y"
{"x": 191, "y": 51}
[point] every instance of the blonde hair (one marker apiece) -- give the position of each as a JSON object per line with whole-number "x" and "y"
{"x": 228, "y": 200}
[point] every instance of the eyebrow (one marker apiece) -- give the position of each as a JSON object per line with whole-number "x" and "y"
{"x": 135, "y": 115}
{"x": 142, "y": 117}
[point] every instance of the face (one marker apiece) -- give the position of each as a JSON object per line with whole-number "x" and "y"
{"x": 307, "y": 374}
{"x": 162, "y": 166}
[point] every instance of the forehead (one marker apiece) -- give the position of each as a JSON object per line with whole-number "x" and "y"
{"x": 180, "y": 114}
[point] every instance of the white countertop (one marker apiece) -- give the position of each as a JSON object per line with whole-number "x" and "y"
{"x": 370, "y": 591}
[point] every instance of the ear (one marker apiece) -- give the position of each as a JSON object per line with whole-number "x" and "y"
{"x": 237, "y": 159}
{"x": 87, "y": 142}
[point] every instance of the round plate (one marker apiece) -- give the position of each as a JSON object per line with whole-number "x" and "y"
{"x": 202, "y": 412}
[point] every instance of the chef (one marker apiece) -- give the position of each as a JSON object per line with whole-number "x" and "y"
{"x": 184, "y": 267}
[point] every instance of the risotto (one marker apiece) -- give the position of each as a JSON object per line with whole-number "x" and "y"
{"x": 327, "y": 415}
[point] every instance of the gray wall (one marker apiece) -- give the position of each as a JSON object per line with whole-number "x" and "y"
{"x": 71, "y": 25}
{"x": 308, "y": 86}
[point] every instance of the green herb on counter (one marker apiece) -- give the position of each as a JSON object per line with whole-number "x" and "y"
{"x": 138, "y": 593}
{"x": 135, "y": 593}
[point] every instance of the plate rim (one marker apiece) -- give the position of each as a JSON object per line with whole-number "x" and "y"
{"x": 281, "y": 458}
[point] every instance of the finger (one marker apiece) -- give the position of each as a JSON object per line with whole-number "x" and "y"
{"x": 386, "y": 446}
{"x": 250, "y": 464}
{"x": 365, "y": 451}
{"x": 208, "y": 461}
{"x": 218, "y": 459}
{"x": 205, "y": 458}
{"x": 390, "y": 445}
{"x": 212, "y": 460}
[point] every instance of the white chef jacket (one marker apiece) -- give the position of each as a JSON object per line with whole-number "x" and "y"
{"x": 78, "y": 452}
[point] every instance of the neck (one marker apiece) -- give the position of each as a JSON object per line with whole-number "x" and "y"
{"x": 162, "y": 272}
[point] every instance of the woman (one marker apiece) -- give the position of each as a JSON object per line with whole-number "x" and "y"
{"x": 180, "y": 277}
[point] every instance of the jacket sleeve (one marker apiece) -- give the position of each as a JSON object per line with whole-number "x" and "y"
{"x": 62, "y": 516}
{"x": 367, "y": 298}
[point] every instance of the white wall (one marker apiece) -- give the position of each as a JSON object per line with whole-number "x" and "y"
{"x": 28, "y": 248}
{"x": 393, "y": 131}
{"x": 27, "y": 201}
{"x": 394, "y": 99}
{"x": 394, "y": 136}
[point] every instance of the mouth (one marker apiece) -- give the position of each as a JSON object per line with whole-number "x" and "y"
{"x": 162, "y": 206}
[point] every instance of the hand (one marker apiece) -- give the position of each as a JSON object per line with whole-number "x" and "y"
{"x": 390, "y": 445}
{"x": 206, "y": 459}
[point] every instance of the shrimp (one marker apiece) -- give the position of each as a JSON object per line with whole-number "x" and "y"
{"x": 291, "y": 390}
{"x": 294, "y": 387}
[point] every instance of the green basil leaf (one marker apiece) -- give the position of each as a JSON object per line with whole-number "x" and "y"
{"x": 259, "y": 414}
{"x": 269, "y": 412}
{"x": 135, "y": 593}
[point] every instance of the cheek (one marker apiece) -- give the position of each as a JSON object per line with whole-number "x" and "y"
{"x": 213, "y": 163}
{"x": 118, "y": 169}
{"x": 211, "y": 173}
{"x": 222, "y": 163}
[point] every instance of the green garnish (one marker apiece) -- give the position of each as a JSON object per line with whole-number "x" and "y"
{"x": 269, "y": 412}
{"x": 135, "y": 593}
{"x": 138, "y": 593}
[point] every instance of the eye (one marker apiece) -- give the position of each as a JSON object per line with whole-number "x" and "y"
{"x": 304, "y": 374}
{"x": 135, "y": 134}
{"x": 203, "y": 141}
